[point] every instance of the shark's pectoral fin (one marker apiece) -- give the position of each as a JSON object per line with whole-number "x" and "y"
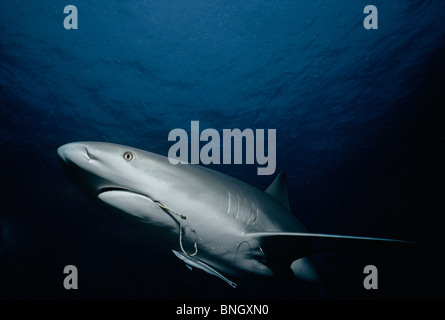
{"x": 285, "y": 247}
{"x": 192, "y": 261}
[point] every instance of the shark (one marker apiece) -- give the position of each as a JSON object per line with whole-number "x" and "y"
{"x": 210, "y": 220}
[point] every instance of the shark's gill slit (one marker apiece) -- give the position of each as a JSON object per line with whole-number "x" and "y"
{"x": 228, "y": 206}
{"x": 183, "y": 217}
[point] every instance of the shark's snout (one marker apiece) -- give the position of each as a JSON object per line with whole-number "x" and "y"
{"x": 74, "y": 153}
{"x": 81, "y": 164}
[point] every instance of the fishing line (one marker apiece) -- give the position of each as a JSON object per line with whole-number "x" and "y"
{"x": 183, "y": 217}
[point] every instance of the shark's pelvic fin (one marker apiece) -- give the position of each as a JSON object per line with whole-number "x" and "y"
{"x": 288, "y": 246}
{"x": 191, "y": 261}
{"x": 278, "y": 190}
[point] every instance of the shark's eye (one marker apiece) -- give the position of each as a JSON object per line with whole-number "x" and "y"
{"x": 128, "y": 156}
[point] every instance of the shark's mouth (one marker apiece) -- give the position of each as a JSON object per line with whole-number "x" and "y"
{"x": 158, "y": 203}
{"x": 122, "y": 189}
{"x": 108, "y": 189}
{"x": 163, "y": 208}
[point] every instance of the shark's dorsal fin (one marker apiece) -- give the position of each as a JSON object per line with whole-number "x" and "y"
{"x": 278, "y": 190}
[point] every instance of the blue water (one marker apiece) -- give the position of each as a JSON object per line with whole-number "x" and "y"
{"x": 359, "y": 116}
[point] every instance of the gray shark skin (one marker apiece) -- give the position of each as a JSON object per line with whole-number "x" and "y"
{"x": 209, "y": 220}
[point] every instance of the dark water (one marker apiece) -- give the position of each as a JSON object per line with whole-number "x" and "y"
{"x": 359, "y": 116}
